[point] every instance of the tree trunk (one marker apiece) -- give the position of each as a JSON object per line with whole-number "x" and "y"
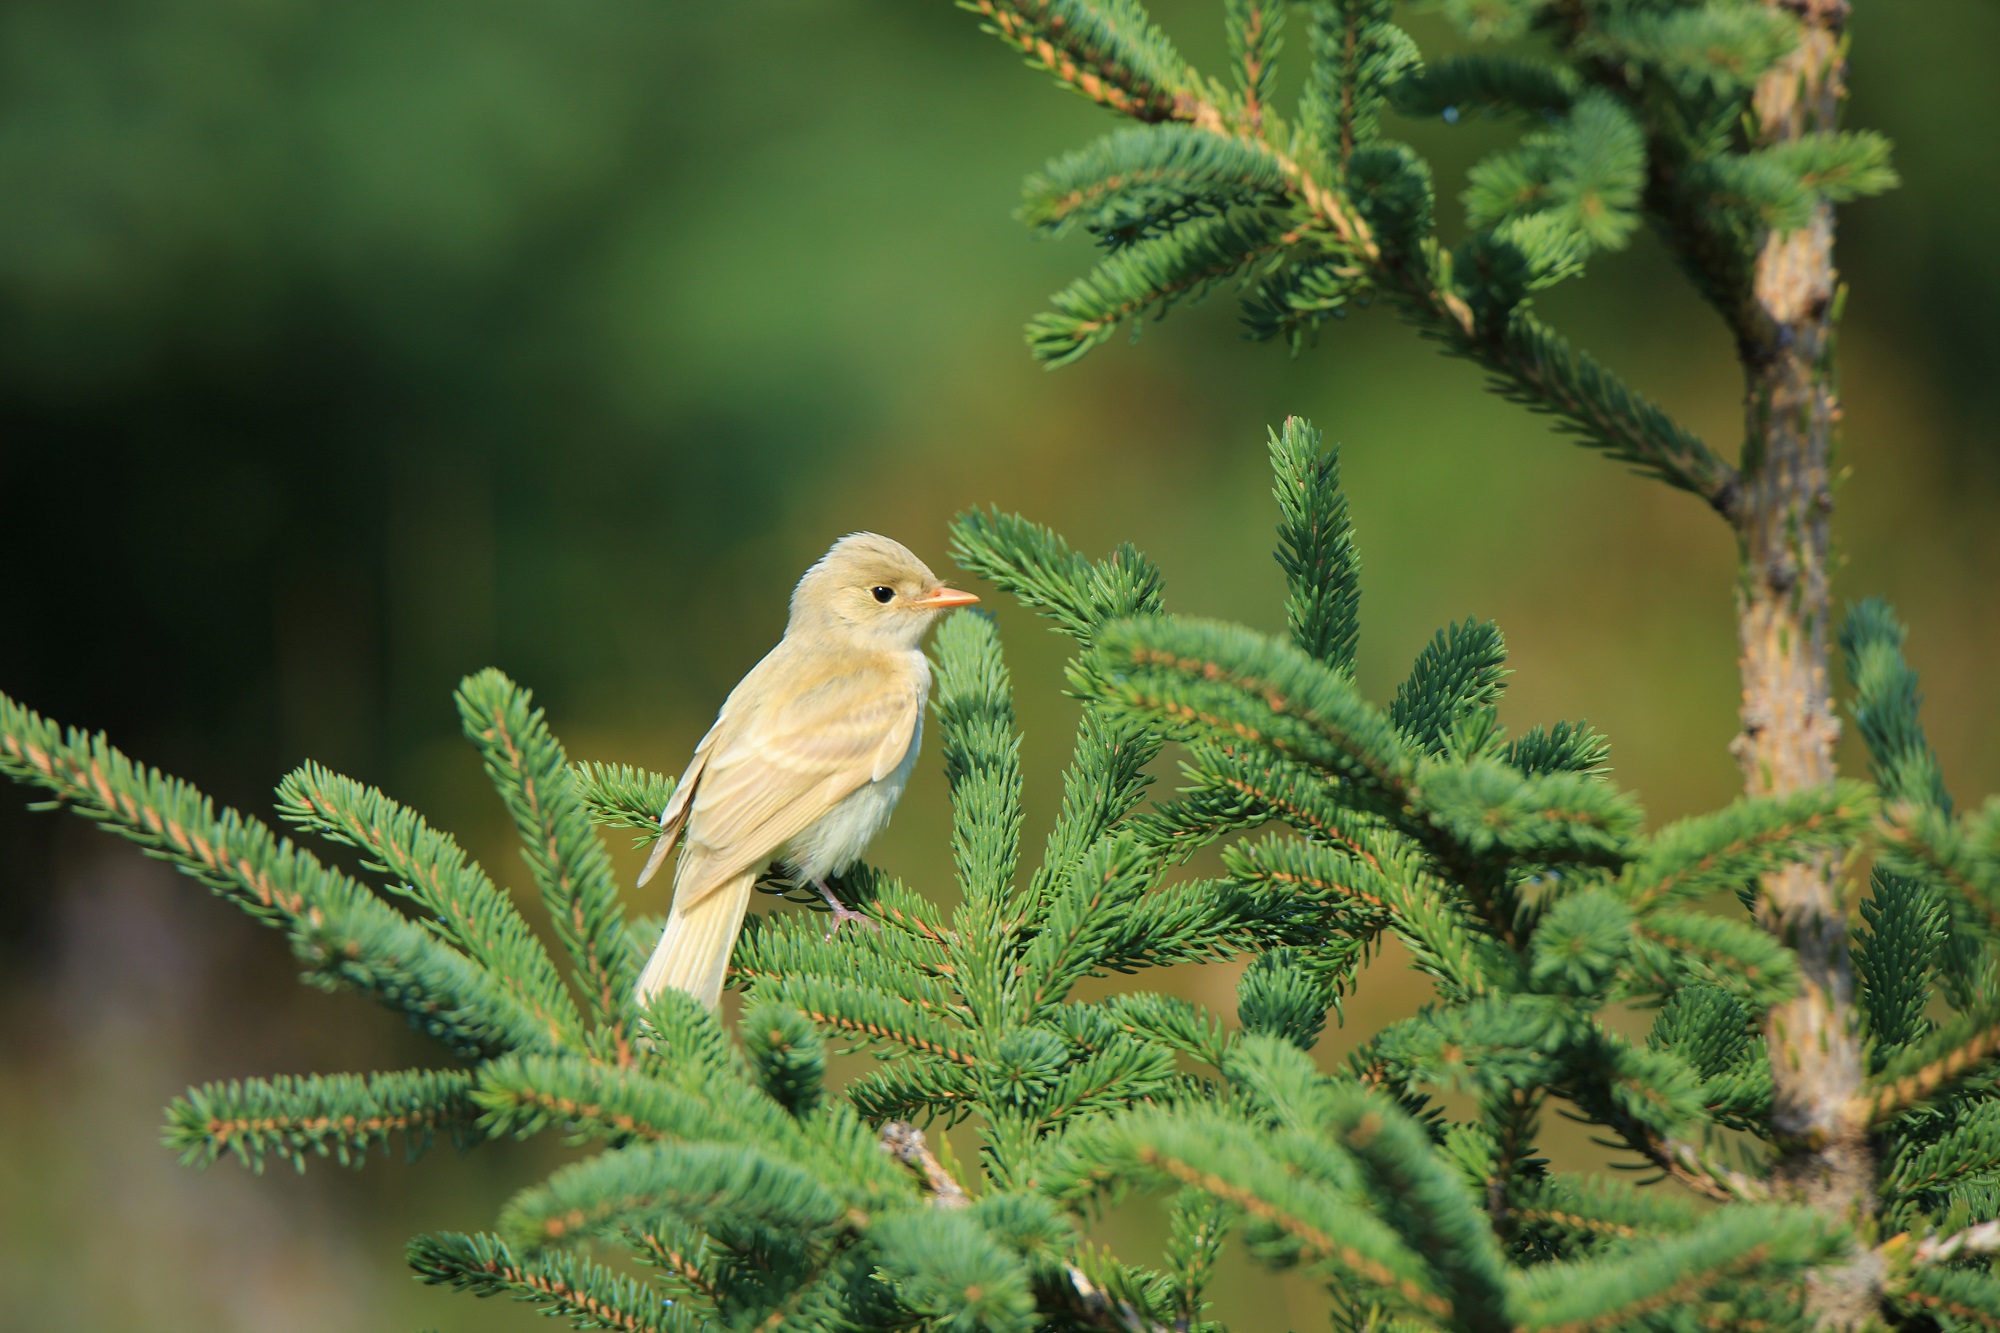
{"x": 1781, "y": 515}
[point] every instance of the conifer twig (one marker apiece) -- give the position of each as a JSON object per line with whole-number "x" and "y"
{"x": 1116, "y": 1315}
{"x": 432, "y": 870}
{"x": 1983, "y": 1238}
{"x": 528, "y": 766}
{"x": 1879, "y": 1102}
{"x": 341, "y": 1116}
{"x": 589, "y": 1293}
{"x": 342, "y": 932}
{"x": 1530, "y": 362}
{"x": 905, "y": 1142}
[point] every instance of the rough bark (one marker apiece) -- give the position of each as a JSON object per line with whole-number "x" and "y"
{"x": 1789, "y": 730}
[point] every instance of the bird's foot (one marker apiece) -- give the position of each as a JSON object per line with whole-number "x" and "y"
{"x": 842, "y": 914}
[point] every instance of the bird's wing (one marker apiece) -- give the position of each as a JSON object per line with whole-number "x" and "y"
{"x": 780, "y": 764}
{"x": 676, "y": 812}
{"x": 897, "y": 740}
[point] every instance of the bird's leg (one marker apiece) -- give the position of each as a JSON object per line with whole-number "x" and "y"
{"x": 841, "y": 913}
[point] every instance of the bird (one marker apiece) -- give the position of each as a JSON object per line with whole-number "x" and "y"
{"x": 805, "y": 761}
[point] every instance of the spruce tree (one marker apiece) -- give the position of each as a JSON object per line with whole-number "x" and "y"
{"x": 1818, "y": 1139}
{"x": 1714, "y": 122}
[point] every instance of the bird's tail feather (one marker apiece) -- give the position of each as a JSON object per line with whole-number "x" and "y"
{"x": 694, "y": 950}
{"x": 661, "y": 846}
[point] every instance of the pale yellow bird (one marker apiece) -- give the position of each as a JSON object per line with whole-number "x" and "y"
{"x": 807, "y": 758}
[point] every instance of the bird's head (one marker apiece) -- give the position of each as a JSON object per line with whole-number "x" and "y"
{"x": 874, "y": 589}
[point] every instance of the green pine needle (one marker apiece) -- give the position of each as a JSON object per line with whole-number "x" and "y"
{"x": 622, "y": 796}
{"x": 588, "y": 1294}
{"x": 429, "y": 868}
{"x": 1152, "y": 275}
{"x": 342, "y": 1116}
{"x": 1886, "y": 706}
{"x": 1142, "y": 181}
{"x": 530, "y": 771}
{"x": 1316, "y": 546}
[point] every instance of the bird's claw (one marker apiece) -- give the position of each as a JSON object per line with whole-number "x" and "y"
{"x": 842, "y": 914}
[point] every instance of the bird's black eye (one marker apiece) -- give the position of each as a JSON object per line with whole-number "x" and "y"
{"x": 883, "y": 593}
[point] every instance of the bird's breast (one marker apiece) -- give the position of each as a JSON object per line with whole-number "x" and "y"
{"x": 836, "y": 840}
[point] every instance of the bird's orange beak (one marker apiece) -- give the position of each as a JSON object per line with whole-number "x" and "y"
{"x": 943, "y": 599}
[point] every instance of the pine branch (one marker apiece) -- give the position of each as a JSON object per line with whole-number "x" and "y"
{"x": 1893, "y": 957}
{"x": 1927, "y": 843}
{"x": 1207, "y": 680}
{"x": 430, "y": 869}
{"x": 1235, "y": 1164}
{"x": 916, "y": 966}
{"x": 1529, "y": 363}
{"x": 1123, "y": 1073}
{"x": 1234, "y": 785}
{"x": 1962, "y": 1296}
{"x": 1489, "y": 83}
{"x": 1566, "y": 747}
{"x": 1139, "y": 182}
{"x": 1429, "y": 1208}
{"x": 524, "y": 1095}
{"x": 1153, "y": 275}
{"x": 949, "y": 1271}
{"x": 1584, "y": 1295}
{"x": 1579, "y": 945}
{"x": 1039, "y": 567}
{"x": 1724, "y": 46}
{"x": 866, "y": 1014}
{"x": 1590, "y": 1209}
{"x": 1357, "y": 56}
{"x": 1491, "y": 20}
{"x": 1707, "y": 1027}
{"x": 1689, "y": 946}
{"x": 1779, "y": 187}
{"x": 343, "y": 1116}
{"x": 788, "y": 1055}
{"x": 342, "y": 933}
{"x": 1282, "y": 994}
{"x": 1928, "y": 1068}
{"x": 586, "y": 1293}
{"x": 1747, "y": 839}
{"x": 1351, "y": 893}
{"x": 915, "y": 1088}
{"x": 1534, "y": 366}
{"x": 905, "y": 1143}
{"x": 1107, "y": 50}
{"x": 1459, "y": 671}
{"x": 982, "y": 757}
{"x": 1106, "y": 778}
{"x": 1886, "y": 706}
{"x": 1096, "y": 1292}
{"x": 622, "y": 796}
{"x": 1195, "y": 1230}
{"x": 1206, "y": 920}
{"x": 1981, "y": 1239}
{"x": 1316, "y": 546}
{"x": 1253, "y": 28}
{"x": 1084, "y": 923}
{"x": 1217, "y": 683}
{"x": 1484, "y": 811}
{"x": 532, "y": 774}
{"x": 686, "y": 1260}
{"x": 1170, "y": 1021}
{"x": 723, "y": 1188}
{"x": 1585, "y": 175}
{"x": 1971, "y": 1147}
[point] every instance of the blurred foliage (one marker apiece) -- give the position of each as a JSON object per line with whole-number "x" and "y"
{"x": 345, "y": 349}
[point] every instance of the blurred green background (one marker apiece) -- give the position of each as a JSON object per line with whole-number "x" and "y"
{"x": 346, "y": 348}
